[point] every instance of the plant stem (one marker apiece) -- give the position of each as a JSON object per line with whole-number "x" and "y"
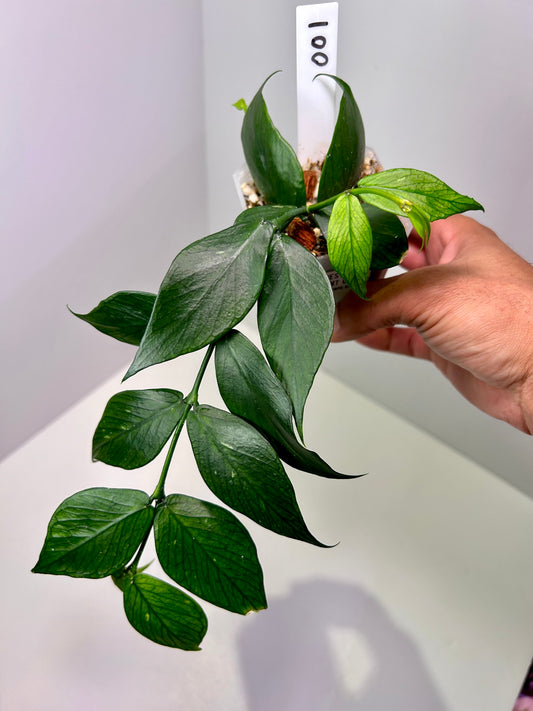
{"x": 192, "y": 397}
{"x": 324, "y": 203}
{"x": 405, "y": 206}
{"x": 135, "y": 563}
{"x": 190, "y": 401}
{"x": 282, "y": 221}
{"x": 159, "y": 491}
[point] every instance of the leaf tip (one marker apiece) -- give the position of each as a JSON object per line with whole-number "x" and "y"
{"x": 131, "y": 371}
{"x": 319, "y": 544}
{"x": 75, "y": 313}
{"x": 39, "y": 568}
{"x": 300, "y": 429}
{"x": 253, "y": 610}
{"x": 324, "y": 74}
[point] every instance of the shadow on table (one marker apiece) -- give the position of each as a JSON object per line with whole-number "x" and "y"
{"x": 329, "y": 646}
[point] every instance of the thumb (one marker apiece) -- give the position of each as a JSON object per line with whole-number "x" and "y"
{"x": 399, "y": 300}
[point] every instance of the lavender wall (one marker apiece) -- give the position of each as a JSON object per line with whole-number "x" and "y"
{"x": 102, "y": 148}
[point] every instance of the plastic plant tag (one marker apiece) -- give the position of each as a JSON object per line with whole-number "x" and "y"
{"x": 339, "y": 287}
{"x": 316, "y": 52}
{"x": 241, "y": 178}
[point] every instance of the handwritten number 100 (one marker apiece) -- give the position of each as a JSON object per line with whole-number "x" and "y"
{"x": 319, "y": 42}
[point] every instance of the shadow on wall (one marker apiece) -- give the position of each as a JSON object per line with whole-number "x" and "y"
{"x": 331, "y": 647}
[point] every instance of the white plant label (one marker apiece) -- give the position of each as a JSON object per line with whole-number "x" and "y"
{"x": 316, "y": 52}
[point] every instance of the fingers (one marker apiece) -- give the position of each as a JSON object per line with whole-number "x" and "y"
{"x": 403, "y": 341}
{"x": 416, "y": 296}
{"x": 414, "y": 258}
{"x": 399, "y": 300}
{"x": 442, "y": 246}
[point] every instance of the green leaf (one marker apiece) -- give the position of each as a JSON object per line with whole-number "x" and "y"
{"x": 136, "y": 425}
{"x": 295, "y": 318}
{"x": 421, "y": 190}
{"x": 210, "y": 287}
{"x": 346, "y": 153}
{"x": 322, "y": 218}
{"x": 254, "y": 215}
{"x": 271, "y": 160}
{"x": 421, "y": 223}
{"x": 123, "y": 315}
{"x": 95, "y": 532}
{"x": 241, "y": 105}
{"x": 244, "y": 471}
{"x": 164, "y": 614}
{"x": 350, "y": 242}
{"x": 207, "y": 550}
{"x": 250, "y": 390}
{"x": 389, "y": 239}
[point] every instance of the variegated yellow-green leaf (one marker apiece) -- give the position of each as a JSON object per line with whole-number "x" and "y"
{"x": 430, "y": 195}
{"x": 350, "y": 242}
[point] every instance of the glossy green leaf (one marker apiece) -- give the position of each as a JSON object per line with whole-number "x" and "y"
{"x": 423, "y": 190}
{"x": 210, "y": 287}
{"x": 164, "y": 614}
{"x": 389, "y": 239}
{"x": 207, "y": 550}
{"x": 243, "y": 470}
{"x": 95, "y": 532}
{"x": 271, "y": 160}
{"x": 123, "y": 315}
{"x": 346, "y": 153}
{"x": 135, "y": 426}
{"x": 250, "y": 390}
{"x": 254, "y": 215}
{"x": 350, "y": 242}
{"x": 295, "y": 318}
{"x": 322, "y": 218}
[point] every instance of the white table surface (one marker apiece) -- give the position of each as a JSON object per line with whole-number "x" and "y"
{"x": 426, "y": 604}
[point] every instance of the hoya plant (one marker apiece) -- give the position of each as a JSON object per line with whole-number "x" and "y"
{"x": 240, "y": 451}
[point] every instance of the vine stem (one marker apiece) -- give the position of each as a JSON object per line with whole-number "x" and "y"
{"x": 132, "y": 567}
{"x": 190, "y": 401}
{"x": 404, "y": 205}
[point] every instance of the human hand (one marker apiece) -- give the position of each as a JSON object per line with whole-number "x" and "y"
{"x": 523, "y": 703}
{"x": 467, "y": 302}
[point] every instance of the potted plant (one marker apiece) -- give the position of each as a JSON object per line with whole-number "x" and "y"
{"x": 264, "y": 258}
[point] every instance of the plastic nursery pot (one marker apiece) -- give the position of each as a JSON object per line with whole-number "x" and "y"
{"x": 249, "y": 197}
